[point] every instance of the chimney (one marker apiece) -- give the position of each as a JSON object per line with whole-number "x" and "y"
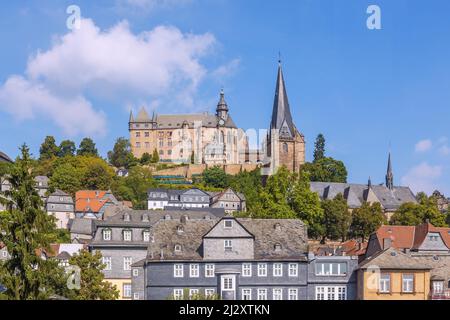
{"x": 387, "y": 242}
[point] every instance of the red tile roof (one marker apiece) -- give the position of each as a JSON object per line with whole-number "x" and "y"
{"x": 90, "y": 200}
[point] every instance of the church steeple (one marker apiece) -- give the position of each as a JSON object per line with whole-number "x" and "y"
{"x": 281, "y": 114}
{"x": 389, "y": 174}
{"x": 222, "y": 107}
{"x": 131, "y": 117}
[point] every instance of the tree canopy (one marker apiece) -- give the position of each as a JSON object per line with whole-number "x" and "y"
{"x": 48, "y": 149}
{"x": 87, "y": 148}
{"x": 121, "y": 155}
{"x": 319, "y": 148}
{"x": 337, "y": 218}
{"x": 67, "y": 148}
{"x": 326, "y": 170}
{"x": 366, "y": 220}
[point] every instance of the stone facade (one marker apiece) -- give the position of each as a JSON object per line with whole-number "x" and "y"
{"x": 60, "y": 205}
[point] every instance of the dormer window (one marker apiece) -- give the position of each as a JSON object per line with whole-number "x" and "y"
{"x": 180, "y": 229}
{"x": 145, "y": 218}
{"x": 177, "y": 248}
{"x": 126, "y": 217}
{"x": 228, "y": 224}
{"x": 127, "y": 235}
{"x": 146, "y": 236}
{"x": 107, "y": 235}
{"x": 278, "y": 247}
{"x": 277, "y": 227}
{"x": 167, "y": 217}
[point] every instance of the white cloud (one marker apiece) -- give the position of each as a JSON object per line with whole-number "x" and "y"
{"x": 149, "y": 5}
{"x": 444, "y": 150}
{"x": 423, "y": 177}
{"x": 228, "y": 69}
{"x": 423, "y": 145}
{"x": 153, "y": 65}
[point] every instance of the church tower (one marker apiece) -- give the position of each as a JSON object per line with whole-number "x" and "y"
{"x": 285, "y": 144}
{"x": 389, "y": 175}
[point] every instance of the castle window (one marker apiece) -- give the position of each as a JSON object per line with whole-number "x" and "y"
{"x": 161, "y": 152}
{"x": 147, "y": 145}
{"x": 138, "y": 145}
{"x": 285, "y": 148}
{"x": 147, "y": 134}
{"x": 138, "y": 134}
{"x": 161, "y": 142}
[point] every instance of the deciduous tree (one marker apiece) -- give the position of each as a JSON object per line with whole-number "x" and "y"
{"x": 87, "y": 148}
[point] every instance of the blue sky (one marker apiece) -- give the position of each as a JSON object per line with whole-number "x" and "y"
{"x": 365, "y": 90}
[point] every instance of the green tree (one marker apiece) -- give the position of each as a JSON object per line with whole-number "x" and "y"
{"x": 67, "y": 178}
{"x": 146, "y": 159}
{"x": 413, "y": 214}
{"x": 98, "y": 176}
{"x": 326, "y": 170}
{"x": 48, "y": 149}
{"x": 26, "y": 231}
{"x": 337, "y": 218}
{"x": 306, "y": 204}
{"x": 215, "y": 177}
{"x": 366, "y": 220}
{"x": 67, "y": 148}
{"x": 87, "y": 148}
{"x": 319, "y": 148}
{"x": 92, "y": 285}
{"x": 134, "y": 187}
{"x": 248, "y": 183}
{"x": 121, "y": 155}
{"x": 155, "y": 156}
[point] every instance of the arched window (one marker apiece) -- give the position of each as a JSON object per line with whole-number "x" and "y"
{"x": 177, "y": 248}
{"x": 278, "y": 247}
{"x": 285, "y": 148}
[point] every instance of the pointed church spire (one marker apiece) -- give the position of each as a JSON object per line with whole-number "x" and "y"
{"x": 281, "y": 114}
{"x": 369, "y": 183}
{"x": 389, "y": 174}
{"x": 131, "y": 116}
{"x": 222, "y": 106}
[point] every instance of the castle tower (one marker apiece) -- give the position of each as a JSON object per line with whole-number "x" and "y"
{"x": 389, "y": 175}
{"x": 286, "y": 145}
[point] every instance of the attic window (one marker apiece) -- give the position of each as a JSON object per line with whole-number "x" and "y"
{"x": 277, "y": 247}
{"x": 145, "y": 218}
{"x": 126, "y": 217}
{"x": 167, "y": 217}
{"x": 180, "y": 229}
{"x": 228, "y": 224}
{"x": 177, "y": 248}
{"x": 277, "y": 227}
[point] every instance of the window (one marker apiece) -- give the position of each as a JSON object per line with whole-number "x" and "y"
{"x": 228, "y": 245}
{"x": 262, "y": 294}
{"x": 408, "y": 283}
{"x": 438, "y": 287}
{"x": 135, "y": 272}
{"x": 138, "y": 134}
{"x": 228, "y": 283}
{"x": 331, "y": 293}
{"x": 293, "y": 294}
{"x": 161, "y": 152}
{"x": 177, "y": 248}
{"x": 147, "y": 145}
{"x": 161, "y": 143}
{"x": 285, "y": 148}
{"x": 146, "y": 236}
{"x": 178, "y": 271}
{"x": 193, "y": 293}
{"x": 127, "y": 235}
{"x": 277, "y": 294}
{"x": 136, "y": 296}
{"x": 107, "y": 261}
{"x": 331, "y": 269}
{"x": 293, "y": 269}
{"x": 127, "y": 262}
{"x": 228, "y": 224}
{"x": 194, "y": 270}
{"x": 246, "y": 294}
{"x": 262, "y": 270}
{"x": 127, "y": 290}
{"x": 138, "y": 145}
{"x": 177, "y": 294}
{"x": 385, "y": 283}
{"x": 277, "y": 270}
{"x": 147, "y": 134}
{"x": 247, "y": 270}
{"x": 210, "y": 292}
{"x": 209, "y": 270}
{"x": 107, "y": 235}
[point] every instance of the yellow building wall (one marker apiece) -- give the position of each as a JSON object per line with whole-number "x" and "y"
{"x": 368, "y": 286}
{"x": 119, "y": 285}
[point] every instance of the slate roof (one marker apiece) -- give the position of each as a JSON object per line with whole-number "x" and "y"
{"x": 81, "y": 226}
{"x": 356, "y": 194}
{"x": 4, "y": 157}
{"x": 393, "y": 259}
{"x": 291, "y": 236}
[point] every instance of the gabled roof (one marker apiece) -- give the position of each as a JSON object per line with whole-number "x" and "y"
{"x": 4, "y": 157}
{"x": 393, "y": 259}
{"x": 410, "y": 237}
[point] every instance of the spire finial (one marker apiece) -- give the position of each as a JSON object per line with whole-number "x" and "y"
{"x": 279, "y": 58}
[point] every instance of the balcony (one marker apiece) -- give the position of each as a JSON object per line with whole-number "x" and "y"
{"x": 440, "y": 295}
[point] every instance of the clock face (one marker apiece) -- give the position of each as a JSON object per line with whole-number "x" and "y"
{"x": 221, "y": 122}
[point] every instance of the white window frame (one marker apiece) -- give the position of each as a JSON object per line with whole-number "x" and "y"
{"x": 107, "y": 234}
{"x": 127, "y": 262}
{"x": 277, "y": 270}
{"x": 146, "y": 236}
{"x": 225, "y": 224}
{"x": 331, "y": 293}
{"x": 127, "y": 235}
{"x": 194, "y": 270}
{"x": 438, "y": 287}
{"x": 293, "y": 294}
{"x": 135, "y": 272}
{"x": 178, "y": 270}
{"x": 228, "y": 245}
{"x": 226, "y": 281}
{"x": 246, "y": 294}
{"x": 246, "y": 270}
{"x": 262, "y": 269}
{"x": 293, "y": 269}
{"x": 384, "y": 283}
{"x": 127, "y": 293}
{"x": 262, "y": 294}
{"x": 209, "y": 270}
{"x": 177, "y": 294}
{"x": 136, "y": 296}
{"x": 193, "y": 292}
{"x": 408, "y": 284}
{"x": 277, "y": 294}
{"x": 107, "y": 261}
{"x": 210, "y": 292}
